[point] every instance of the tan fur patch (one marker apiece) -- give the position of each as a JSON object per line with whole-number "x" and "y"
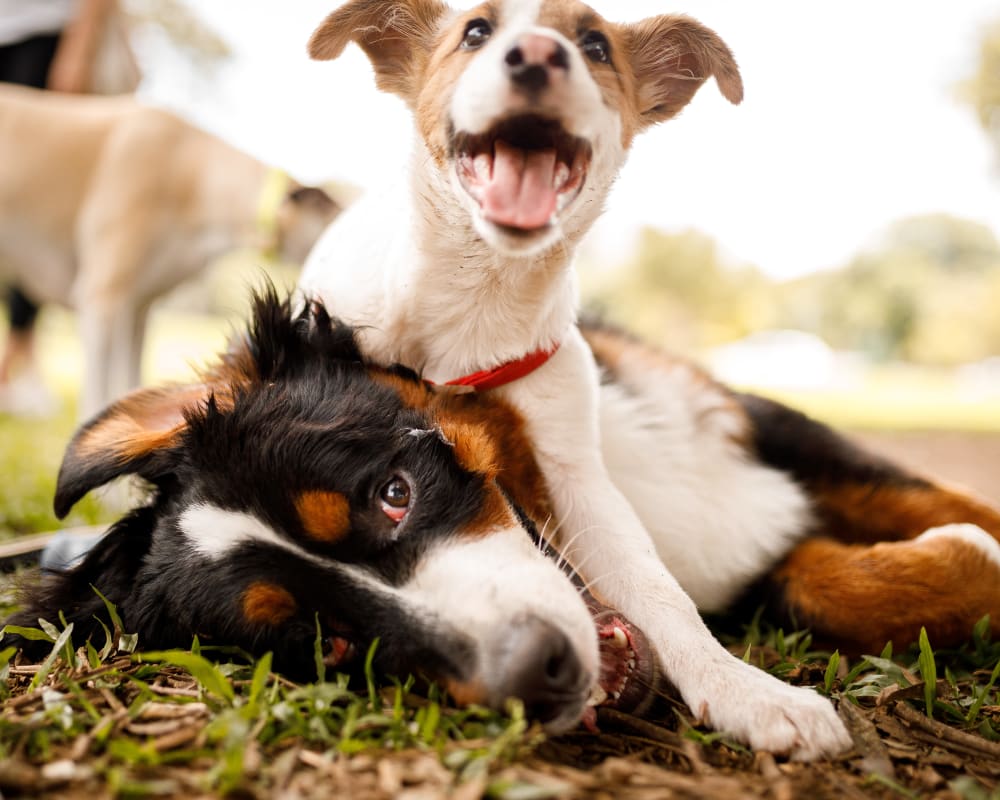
{"x": 615, "y": 80}
{"x": 671, "y": 57}
{"x": 467, "y": 693}
{"x": 858, "y": 597}
{"x": 413, "y": 394}
{"x": 518, "y": 472}
{"x": 396, "y": 37}
{"x": 475, "y": 449}
{"x": 325, "y": 516}
{"x": 438, "y": 78}
{"x": 860, "y": 512}
{"x": 267, "y": 603}
{"x": 144, "y": 421}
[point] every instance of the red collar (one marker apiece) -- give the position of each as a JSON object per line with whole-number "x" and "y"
{"x": 505, "y": 373}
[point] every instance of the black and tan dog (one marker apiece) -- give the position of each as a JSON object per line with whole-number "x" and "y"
{"x": 299, "y": 485}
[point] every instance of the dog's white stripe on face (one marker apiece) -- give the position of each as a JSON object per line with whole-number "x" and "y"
{"x": 487, "y": 584}
{"x": 520, "y": 12}
{"x": 468, "y": 583}
{"x": 214, "y": 532}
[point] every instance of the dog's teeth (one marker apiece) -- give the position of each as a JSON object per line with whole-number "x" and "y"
{"x": 631, "y": 663}
{"x": 560, "y": 176}
{"x": 597, "y": 696}
{"x": 619, "y": 639}
{"x": 483, "y": 166}
{"x": 616, "y": 694}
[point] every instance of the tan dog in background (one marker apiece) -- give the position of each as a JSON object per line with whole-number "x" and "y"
{"x": 105, "y": 204}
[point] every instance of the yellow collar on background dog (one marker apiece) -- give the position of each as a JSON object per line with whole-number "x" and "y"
{"x": 272, "y": 192}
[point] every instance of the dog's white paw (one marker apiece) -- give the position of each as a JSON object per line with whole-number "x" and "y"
{"x": 766, "y": 714}
{"x": 970, "y": 534}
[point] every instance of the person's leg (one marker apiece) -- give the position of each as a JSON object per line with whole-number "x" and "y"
{"x": 20, "y": 347}
{"x": 28, "y": 62}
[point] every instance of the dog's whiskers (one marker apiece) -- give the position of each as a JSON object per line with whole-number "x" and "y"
{"x": 589, "y": 584}
{"x": 577, "y": 568}
{"x": 543, "y": 538}
{"x": 566, "y": 549}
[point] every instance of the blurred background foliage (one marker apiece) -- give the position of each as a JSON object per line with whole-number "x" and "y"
{"x": 983, "y": 89}
{"x": 927, "y": 292}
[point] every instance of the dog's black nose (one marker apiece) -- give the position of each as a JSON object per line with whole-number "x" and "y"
{"x": 534, "y": 60}
{"x": 544, "y": 671}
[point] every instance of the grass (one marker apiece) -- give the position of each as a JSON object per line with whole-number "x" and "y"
{"x": 107, "y": 720}
{"x": 900, "y": 398}
{"x": 174, "y": 721}
{"x": 103, "y": 717}
{"x": 30, "y": 452}
{"x": 31, "y": 448}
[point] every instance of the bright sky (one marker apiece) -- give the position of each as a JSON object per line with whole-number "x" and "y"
{"x": 851, "y": 121}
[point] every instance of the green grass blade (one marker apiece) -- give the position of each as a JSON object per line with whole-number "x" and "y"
{"x": 50, "y": 660}
{"x": 111, "y": 608}
{"x": 32, "y": 634}
{"x": 203, "y": 670}
{"x": 373, "y": 695}
{"x": 260, "y": 675}
{"x": 928, "y": 671}
{"x": 982, "y": 695}
{"x": 831, "y": 671}
{"x": 318, "y": 653}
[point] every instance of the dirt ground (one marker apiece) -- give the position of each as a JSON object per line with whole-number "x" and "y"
{"x": 967, "y": 459}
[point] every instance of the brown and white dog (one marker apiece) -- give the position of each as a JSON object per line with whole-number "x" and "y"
{"x": 105, "y": 204}
{"x": 669, "y": 493}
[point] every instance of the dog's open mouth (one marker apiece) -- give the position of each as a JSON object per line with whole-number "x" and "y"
{"x": 629, "y": 673}
{"x": 522, "y": 172}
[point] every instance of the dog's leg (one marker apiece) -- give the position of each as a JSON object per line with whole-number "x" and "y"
{"x": 857, "y": 496}
{"x": 112, "y": 344}
{"x": 95, "y": 336}
{"x": 111, "y": 315}
{"x": 897, "y": 552}
{"x": 861, "y": 596}
{"x": 125, "y": 368}
{"x": 601, "y": 534}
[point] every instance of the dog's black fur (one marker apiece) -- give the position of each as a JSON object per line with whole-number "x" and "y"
{"x": 305, "y": 414}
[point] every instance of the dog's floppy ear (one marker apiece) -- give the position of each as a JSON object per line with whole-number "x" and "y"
{"x": 132, "y": 436}
{"x": 672, "y": 56}
{"x": 396, "y": 35}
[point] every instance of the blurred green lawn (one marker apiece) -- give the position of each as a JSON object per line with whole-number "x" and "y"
{"x": 900, "y": 399}
{"x": 30, "y": 450}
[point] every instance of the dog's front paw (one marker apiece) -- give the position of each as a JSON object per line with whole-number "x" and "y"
{"x": 767, "y": 714}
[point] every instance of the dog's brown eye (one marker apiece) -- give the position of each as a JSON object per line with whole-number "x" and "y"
{"x": 476, "y": 34}
{"x": 395, "y": 497}
{"x": 596, "y": 47}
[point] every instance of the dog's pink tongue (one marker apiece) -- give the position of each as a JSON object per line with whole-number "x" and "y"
{"x": 520, "y": 193}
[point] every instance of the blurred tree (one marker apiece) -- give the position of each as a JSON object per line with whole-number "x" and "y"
{"x": 182, "y": 26}
{"x": 678, "y": 292}
{"x": 927, "y": 292}
{"x": 983, "y": 89}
